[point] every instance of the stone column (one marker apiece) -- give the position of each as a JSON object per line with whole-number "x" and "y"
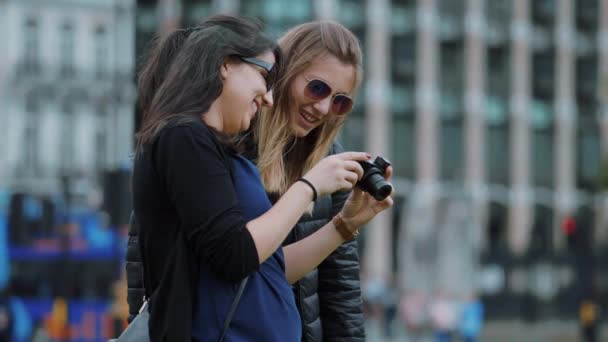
{"x": 520, "y": 207}
{"x": 565, "y": 116}
{"x": 475, "y": 80}
{"x": 602, "y": 233}
{"x": 377, "y": 259}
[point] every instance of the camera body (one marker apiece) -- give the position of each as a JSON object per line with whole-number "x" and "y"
{"x": 373, "y": 181}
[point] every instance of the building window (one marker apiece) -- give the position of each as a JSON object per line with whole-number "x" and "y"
{"x": 498, "y": 22}
{"x": 542, "y": 156}
{"x": 67, "y": 50}
{"x": 352, "y": 134}
{"x": 588, "y": 149}
{"x": 451, "y": 110}
{"x": 101, "y": 52}
{"x": 497, "y": 149}
{"x": 31, "y": 136}
{"x": 587, "y": 14}
{"x": 194, "y": 11}
{"x": 451, "y": 23}
{"x": 279, "y": 15}
{"x": 543, "y": 74}
{"x": 66, "y": 148}
{"x": 588, "y": 152}
{"x": 101, "y": 140}
{"x": 351, "y": 13}
{"x": 544, "y": 12}
{"x": 31, "y": 45}
{"x": 404, "y": 131}
{"x": 404, "y": 58}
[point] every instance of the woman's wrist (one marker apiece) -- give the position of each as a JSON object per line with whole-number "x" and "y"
{"x": 311, "y": 186}
{"x": 346, "y": 231}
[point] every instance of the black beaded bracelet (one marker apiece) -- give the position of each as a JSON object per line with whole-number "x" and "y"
{"x": 314, "y": 191}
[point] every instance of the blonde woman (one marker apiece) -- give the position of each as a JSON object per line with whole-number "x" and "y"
{"x": 312, "y": 100}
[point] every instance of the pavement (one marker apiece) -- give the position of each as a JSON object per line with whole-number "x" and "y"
{"x": 496, "y": 331}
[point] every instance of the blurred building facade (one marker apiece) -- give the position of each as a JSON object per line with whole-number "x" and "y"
{"x": 67, "y": 91}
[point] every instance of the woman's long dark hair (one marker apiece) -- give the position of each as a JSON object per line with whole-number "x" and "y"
{"x": 181, "y": 76}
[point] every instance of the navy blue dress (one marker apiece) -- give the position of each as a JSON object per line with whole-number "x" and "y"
{"x": 267, "y": 310}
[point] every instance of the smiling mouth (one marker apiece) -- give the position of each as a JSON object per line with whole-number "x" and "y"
{"x": 309, "y": 118}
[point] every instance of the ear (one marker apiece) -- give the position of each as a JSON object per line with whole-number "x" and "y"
{"x": 225, "y": 68}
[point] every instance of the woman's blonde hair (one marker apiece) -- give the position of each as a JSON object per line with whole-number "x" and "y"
{"x": 282, "y": 157}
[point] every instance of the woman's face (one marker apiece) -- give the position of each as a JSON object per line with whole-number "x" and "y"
{"x": 244, "y": 92}
{"x": 306, "y": 113}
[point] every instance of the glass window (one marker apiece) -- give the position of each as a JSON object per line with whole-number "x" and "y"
{"x": 452, "y": 149}
{"x": 587, "y": 14}
{"x": 404, "y": 146}
{"x": 145, "y": 27}
{"x": 544, "y": 12}
{"x": 586, "y": 80}
{"x": 543, "y": 74}
{"x": 498, "y": 22}
{"x": 101, "y": 142}
{"x": 193, "y": 12}
{"x": 352, "y": 134}
{"x": 67, "y": 49}
{"x": 66, "y": 147}
{"x": 279, "y": 15}
{"x": 404, "y": 57}
{"x": 451, "y": 80}
{"x": 31, "y": 136}
{"x": 499, "y": 71}
{"x": 31, "y": 44}
{"x": 498, "y": 153}
{"x": 588, "y": 152}
{"x": 101, "y": 52}
{"x": 351, "y": 13}
{"x": 402, "y": 100}
{"x": 542, "y": 159}
{"x": 451, "y": 23}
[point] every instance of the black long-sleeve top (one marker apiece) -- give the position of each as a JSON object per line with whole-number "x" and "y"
{"x": 185, "y": 202}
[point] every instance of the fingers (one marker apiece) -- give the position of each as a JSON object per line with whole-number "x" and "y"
{"x": 389, "y": 173}
{"x": 355, "y": 167}
{"x": 362, "y": 156}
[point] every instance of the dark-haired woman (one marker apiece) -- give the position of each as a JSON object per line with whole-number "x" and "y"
{"x": 205, "y": 220}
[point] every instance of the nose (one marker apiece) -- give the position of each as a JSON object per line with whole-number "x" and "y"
{"x": 267, "y": 99}
{"x": 323, "y": 106}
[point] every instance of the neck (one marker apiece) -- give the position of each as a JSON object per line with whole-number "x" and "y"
{"x": 213, "y": 117}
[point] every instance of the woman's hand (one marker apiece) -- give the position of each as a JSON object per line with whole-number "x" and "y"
{"x": 361, "y": 207}
{"x": 337, "y": 172}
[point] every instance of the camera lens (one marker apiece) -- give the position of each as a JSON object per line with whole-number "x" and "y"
{"x": 378, "y": 187}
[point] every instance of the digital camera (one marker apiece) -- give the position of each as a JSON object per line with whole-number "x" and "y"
{"x": 373, "y": 180}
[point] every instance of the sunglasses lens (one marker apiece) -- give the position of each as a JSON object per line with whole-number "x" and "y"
{"x": 317, "y": 90}
{"x": 341, "y": 105}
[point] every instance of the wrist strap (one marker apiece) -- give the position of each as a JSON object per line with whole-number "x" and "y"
{"x": 341, "y": 227}
{"x": 314, "y": 191}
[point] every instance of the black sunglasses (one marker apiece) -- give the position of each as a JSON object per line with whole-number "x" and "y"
{"x": 319, "y": 90}
{"x": 270, "y": 77}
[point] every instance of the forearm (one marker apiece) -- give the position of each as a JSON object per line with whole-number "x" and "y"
{"x": 269, "y": 230}
{"x": 303, "y": 256}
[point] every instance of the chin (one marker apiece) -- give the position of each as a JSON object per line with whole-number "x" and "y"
{"x": 298, "y": 131}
